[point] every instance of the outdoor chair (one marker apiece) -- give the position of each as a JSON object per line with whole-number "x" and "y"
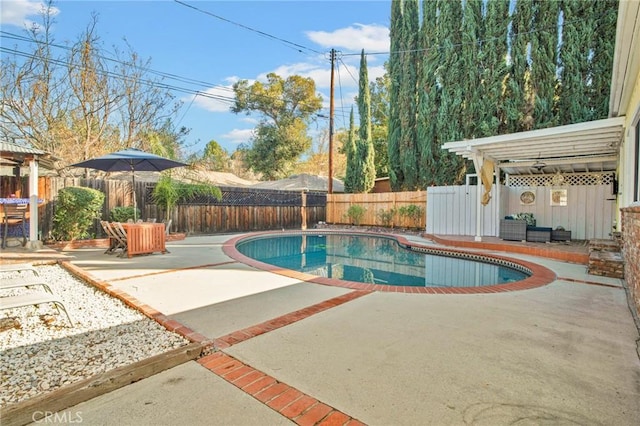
{"x": 114, "y": 239}
{"x": 6, "y": 284}
{"x": 14, "y": 214}
{"x": 17, "y": 267}
{"x": 121, "y": 236}
{"x": 17, "y": 282}
{"x": 513, "y": 229}
{"x": 33, "y": 299}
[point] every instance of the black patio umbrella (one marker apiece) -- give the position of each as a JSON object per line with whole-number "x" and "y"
{"x": 130, "y": 159}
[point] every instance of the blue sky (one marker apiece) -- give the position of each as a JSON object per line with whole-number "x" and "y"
{"x": 192, "y": 44}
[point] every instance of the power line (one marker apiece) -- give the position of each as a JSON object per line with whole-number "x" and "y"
{"x": 297, "y": 46}
{"x": 13, "y": 36}
{"x": 106, "y": 73}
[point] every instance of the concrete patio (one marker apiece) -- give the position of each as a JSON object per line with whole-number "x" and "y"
{"x": 565, "y": 353}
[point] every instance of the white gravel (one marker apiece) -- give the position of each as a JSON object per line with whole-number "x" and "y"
{"x": 40, "y": 351}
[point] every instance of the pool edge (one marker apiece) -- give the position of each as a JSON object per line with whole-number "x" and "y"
{"x": 540, "y": 275}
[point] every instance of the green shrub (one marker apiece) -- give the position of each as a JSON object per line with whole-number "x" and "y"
{"x": 76, "y": 208}
{"x": 412, "y": 212}
{"x": 355, "y": 214}
{"x": 123, "y": 214}
{"x": 386, "y": 217}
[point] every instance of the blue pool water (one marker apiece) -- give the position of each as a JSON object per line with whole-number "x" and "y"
{"x": 373, "y": 260}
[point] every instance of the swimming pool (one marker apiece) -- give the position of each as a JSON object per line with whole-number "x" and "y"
{"x": 379, "y": 260}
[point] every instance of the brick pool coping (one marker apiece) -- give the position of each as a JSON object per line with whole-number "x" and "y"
{"x": 540, "y": 275}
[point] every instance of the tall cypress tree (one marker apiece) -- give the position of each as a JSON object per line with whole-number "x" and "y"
{"x": 494, "y": 68}
{"x": 577, "y": 30}
{"x": 601, "y": 64}
{"x": 350, "y": 150}
{"x": 427, "y": 137}
{"x": 451, "y": 167}
{"x": 364, "y": 150}
{"x": 407, "y": 98}
{"x": 517, "y": 103}
{"x": 471, "y": 71}
{"x": 396, "y": 177}
{"x": 544, "y": 57}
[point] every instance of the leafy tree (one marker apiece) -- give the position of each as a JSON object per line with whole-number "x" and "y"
{"x": 316, "y": 159}
{"x": 285, "y": 107}
{"x": 33, "y": 95}
{"x": 146, "y": 104}
{"x": 91, "y": 92}
{"x": 215, "y": 156}
{"x": 77, "y": 104}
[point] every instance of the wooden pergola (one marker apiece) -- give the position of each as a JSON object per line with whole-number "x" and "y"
{"x": 16, "y": 156}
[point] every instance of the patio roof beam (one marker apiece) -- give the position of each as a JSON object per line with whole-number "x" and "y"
{"x": 561, "y": 161}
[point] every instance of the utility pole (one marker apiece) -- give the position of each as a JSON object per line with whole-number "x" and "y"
{"x": 333, "y": 61}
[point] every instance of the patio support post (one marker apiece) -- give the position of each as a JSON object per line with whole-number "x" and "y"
{"x": 498, "y": 200}
{"x": 478, "y": 159}
{"x": 34, "y": 242}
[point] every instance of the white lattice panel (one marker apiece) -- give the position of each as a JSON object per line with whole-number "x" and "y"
{"x": 565, "y": 179}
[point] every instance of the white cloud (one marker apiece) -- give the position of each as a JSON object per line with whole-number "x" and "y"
{"x": 215, "y": 99}
{"x": 371, "y": 38}
{"x": 249, "y": 120}
{"x": 15, "y": 12}
{"x": 320, "y": 73}
{"x": 238, "y": 136}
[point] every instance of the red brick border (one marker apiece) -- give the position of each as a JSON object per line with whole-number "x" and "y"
{"x": 134, "y": 303}
{"x": 284, "y": 320}
{"x": 577, "y": 281}
{"x": 286, "y": 400}
{"x": 540, "y": 275}
{"x": 541, "y": 251}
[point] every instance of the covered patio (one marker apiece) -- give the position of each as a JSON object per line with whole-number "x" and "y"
{"x": 564, "y": 176}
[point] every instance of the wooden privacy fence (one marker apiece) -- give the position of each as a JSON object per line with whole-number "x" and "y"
{"x": 375, "y": 206}
{"x": 240, "y": 209}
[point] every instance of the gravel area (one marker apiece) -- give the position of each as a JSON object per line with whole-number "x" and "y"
{"x": 40, "y": 351}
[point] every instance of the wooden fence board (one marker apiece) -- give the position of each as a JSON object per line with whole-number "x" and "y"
{"x": 339, "y": 204}
{"x": 242, "y": 209}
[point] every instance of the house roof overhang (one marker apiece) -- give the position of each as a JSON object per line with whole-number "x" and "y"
{"x": 16, "y": 155}
{"x": 583, "y": 147}
{"x": 626, "y": 61}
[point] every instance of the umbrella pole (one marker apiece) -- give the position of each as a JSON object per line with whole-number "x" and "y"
{"x": 135, "y": 202}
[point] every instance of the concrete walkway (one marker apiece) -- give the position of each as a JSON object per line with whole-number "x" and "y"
{"x": 564, "y": 353}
